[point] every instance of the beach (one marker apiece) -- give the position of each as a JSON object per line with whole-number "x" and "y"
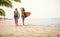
{"x": 9, "y": 29}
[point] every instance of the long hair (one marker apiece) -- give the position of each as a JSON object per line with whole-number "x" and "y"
{"x": 23, "y": 9}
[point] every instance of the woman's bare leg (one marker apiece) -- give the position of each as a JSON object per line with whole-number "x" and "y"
{"x": 16, "y": 21}
{"x": 23, "y": 21}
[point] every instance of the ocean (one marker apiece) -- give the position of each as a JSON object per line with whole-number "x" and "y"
{"x": 44, "y": 21}
{"x": 39, "y": 21}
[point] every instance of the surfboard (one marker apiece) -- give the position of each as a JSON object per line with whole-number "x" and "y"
{"x": 27, "y": 14}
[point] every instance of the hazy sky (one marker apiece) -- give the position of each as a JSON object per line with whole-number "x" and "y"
{"x": 38, "y": 8}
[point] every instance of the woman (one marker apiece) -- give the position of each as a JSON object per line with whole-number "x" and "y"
{"x": 16, "y": 16}
{"x": 23, "y": 14}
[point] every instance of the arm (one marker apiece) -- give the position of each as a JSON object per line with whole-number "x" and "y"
{"x": 14, "y": 13}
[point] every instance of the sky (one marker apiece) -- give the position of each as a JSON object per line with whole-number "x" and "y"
{"x": 38, "y": 8}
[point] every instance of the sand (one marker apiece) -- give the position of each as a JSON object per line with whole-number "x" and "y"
{"x": 8, "y": 29}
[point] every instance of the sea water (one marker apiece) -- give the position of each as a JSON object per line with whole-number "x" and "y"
{"x": 46, "y": 21}
{"x": 40, "y": 21}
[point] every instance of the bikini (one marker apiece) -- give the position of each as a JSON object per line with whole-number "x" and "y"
{"x": 23, "y": 16}
{"x": 15, "y": 16}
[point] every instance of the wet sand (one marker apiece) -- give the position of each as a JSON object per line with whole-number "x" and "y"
{"x": 8, "y": 29}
